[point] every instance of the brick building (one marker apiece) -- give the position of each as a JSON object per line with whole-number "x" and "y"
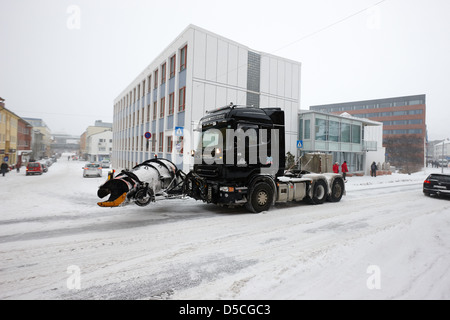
{"x": 404, "y": 125}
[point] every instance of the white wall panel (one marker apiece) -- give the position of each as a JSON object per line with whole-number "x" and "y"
{"x": 231, "y": 96}
{"x": 265, "y": 74}
{"x": 273, "y": 76}
{"x": 211, "y": 58}
{"x": 199, "y": 66}
{"x": 288, "y": 80}
{"x": 242, "y": 72}
{"x": 222, "y": 62}
{"x": 232, "y": 65}
{"x": 263, "y": 101}
{"x": 198, "y": 99}
{"x": 296, "y": 82}
{"x": 221, "y": 97}
{"x": 210, "y": 97}
{"x": 280, "y": 78}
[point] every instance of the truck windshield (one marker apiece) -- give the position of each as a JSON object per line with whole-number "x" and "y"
{"x": 213, "y": 137}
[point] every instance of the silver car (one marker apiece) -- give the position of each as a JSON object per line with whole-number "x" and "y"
{"x": 92, "y": 169}
{"x": 106, "y": 164}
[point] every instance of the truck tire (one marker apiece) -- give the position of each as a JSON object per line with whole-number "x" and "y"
{"x": 337, "y": 191}
{"x": 261, "y": 198}
{"x": 319, "y": 194}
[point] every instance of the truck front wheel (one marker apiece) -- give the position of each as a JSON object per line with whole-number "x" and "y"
{"x": 261, "y": 198}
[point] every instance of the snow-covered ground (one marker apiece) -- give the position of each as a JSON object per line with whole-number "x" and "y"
{"x": 384, "y": 240}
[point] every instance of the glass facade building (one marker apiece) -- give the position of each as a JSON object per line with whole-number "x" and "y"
{"x": 347, "y": 138}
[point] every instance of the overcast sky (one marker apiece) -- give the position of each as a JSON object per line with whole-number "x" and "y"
{"x": 66, "y": 61}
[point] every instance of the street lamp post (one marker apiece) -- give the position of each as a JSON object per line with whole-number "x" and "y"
{"x": 442, "y": 162}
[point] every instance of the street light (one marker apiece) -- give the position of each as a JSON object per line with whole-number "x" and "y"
{"x": 442, "y": 162}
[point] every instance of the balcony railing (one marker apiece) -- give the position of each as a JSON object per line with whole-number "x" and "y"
{"x": 369, "y": 145}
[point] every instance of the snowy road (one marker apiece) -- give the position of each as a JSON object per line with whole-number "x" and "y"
{"x": 50, "y": 226}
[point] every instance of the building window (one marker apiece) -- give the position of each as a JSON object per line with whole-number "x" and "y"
{"x": 153, "y": 142}
{"x": 307, "y": 129}
{"x": 163, "y": 73}
{"x": 182, "y": 100}
{"x": 155, "y": 79}
{"x": 161, "y": 142}
{"x": 149, "y": 83}
{"x": 162, "y": 107}
{"x": 169, "y": 144}
{"x": 333, "y": 132}
{"x": 356, "y": 134}
{"x": 345, "y": 132}
{"x": 172, "y": 66}
{"x": 155, "y": 110}
{"x": 171, "y": 103}
{"x": 321, "y": 129}
{"x": 148, "y": 113}
{"x": 183, "y": 57}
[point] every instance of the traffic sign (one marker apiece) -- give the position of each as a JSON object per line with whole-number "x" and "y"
{"x": 6, "y": 158}
{"x": 147, "y": 135}
{"x": 179, "y": 131}
{"x": 299, "y": 144}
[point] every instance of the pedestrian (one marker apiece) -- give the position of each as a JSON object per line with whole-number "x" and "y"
{"x": 373, "y": 169}
{"x": 344, "y": 170}
{"x": 4, "y": 168}
{"x": 18, "y": 165}
{"x": 336, "y": 167}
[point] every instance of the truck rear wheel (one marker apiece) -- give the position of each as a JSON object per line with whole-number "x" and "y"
{"x": 319, "y": 194}
{"x": 261, "y": 198}
{"x": 337, "y": 191}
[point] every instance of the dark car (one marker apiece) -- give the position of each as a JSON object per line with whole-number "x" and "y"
{"x": 437, "y": 184}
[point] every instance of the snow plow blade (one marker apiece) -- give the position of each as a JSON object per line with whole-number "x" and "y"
{"x": 114, "y": 203}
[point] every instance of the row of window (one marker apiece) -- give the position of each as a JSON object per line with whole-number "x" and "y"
{"x": 330, "y": 131}
{"x": 133, "y": 119}
{"x": 152, "y": 145}
{"x": 404, "y": 131}
{"x": 139, "y": 90}
{"x": 363, "y": 106}
{"x": 402, "y": 122}
{"x": 389, "y": 114}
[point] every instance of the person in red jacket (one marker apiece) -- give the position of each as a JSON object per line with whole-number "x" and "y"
{"x": 344, "y": 170}
{"x": 336, "y": 167}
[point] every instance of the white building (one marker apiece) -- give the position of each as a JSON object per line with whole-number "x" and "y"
{"x": 99, "y": 146}
{"x": 198, "y": 71}
{"x": 442, "y": 150}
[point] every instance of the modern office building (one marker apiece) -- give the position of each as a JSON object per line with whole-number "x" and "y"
{"x": 197, "y": 72}
{"x": 355, "y": 140}
{"x": 404, "y": 125}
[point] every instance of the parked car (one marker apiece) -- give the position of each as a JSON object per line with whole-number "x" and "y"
{"x": 34, "y": 168}
{"x": 92, "y": 169}
{"x": 437, "y": 184}
{"x": 106, "y": 164}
